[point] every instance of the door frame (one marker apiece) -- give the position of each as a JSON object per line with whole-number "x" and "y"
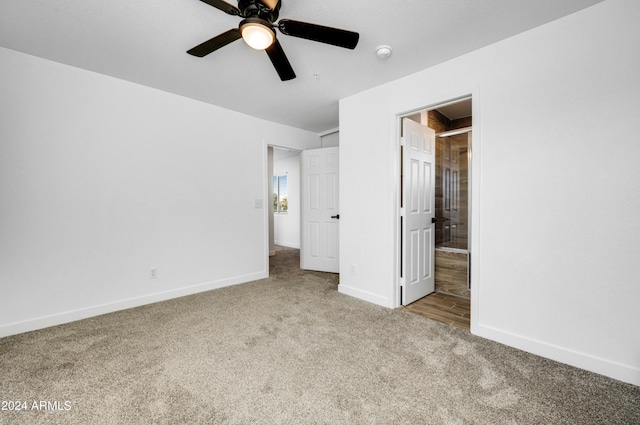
{"x": 474, "y": 197}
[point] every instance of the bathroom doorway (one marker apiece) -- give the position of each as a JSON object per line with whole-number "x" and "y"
{"x": 450, "y": 302}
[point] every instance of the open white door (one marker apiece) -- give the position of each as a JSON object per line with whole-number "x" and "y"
{"x": 320, "y": 213}
{"x": 417, "y": 211}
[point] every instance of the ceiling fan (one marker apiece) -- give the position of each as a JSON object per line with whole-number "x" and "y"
{"x": 257, "y": 30}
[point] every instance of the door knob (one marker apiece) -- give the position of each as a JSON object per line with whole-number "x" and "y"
{"x": 336, "y": 216}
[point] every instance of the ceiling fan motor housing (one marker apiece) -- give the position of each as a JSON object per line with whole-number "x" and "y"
{"x": 256, "y": 9}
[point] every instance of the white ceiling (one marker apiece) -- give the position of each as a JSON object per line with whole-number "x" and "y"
{"x": 145, "y": 41}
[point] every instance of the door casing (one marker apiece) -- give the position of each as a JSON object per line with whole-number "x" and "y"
{"x": 474, "y": 196}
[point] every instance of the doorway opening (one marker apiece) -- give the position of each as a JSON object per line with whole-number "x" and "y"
{"x": 284, "y": 199}
{"x": 445, "y": 253}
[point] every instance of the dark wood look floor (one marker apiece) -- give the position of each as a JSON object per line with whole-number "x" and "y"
{"x": 454, "y": 311}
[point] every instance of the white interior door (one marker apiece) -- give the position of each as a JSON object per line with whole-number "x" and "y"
{"x": 320, "y": 210}
{"x": 417, "y": 211}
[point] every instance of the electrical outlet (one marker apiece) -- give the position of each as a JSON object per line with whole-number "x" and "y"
{"x": 153, "y": 274}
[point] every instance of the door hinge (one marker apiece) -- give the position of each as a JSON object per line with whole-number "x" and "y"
{"x": 402, "y": 141}
{"x": 402, "y": 281}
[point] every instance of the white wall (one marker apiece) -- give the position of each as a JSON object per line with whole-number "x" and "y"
{"x": 287, "y": 226}
{"x": 102, "y": 180}
{"x": 330, "y": 140}
{"x": 555, "y": 230}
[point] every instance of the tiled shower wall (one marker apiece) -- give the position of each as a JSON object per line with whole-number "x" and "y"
{"x": 452, "y": 178}
{"x": 452, "y": 272}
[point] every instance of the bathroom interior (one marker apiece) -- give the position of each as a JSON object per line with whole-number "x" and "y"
{"x": 452, "y": 124}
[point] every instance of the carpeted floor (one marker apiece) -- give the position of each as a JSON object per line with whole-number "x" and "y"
{"x": 290, "y": 350}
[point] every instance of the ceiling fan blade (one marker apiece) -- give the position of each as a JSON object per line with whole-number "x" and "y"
{"x": 223, "y": 5}
{"x": 328, "y": 35}
{"x": 271, "y": 4}
{"x": 280, "y": 61}
{"x": 215, "y": 43}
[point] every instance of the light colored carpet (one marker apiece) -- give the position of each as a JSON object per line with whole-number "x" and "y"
{"x": 291, "y": 350}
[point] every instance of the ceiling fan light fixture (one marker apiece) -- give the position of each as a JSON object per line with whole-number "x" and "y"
{"x": 257, "y": 34}
{"x": 257, "y": 29}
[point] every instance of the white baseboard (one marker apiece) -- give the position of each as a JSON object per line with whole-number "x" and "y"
{"x": 364, "y": 295}
{"x": 621, "y": 372}
{"x": 84, "y": 313}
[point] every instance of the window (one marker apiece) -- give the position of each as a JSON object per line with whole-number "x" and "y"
{"x": 280, "y": 202}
